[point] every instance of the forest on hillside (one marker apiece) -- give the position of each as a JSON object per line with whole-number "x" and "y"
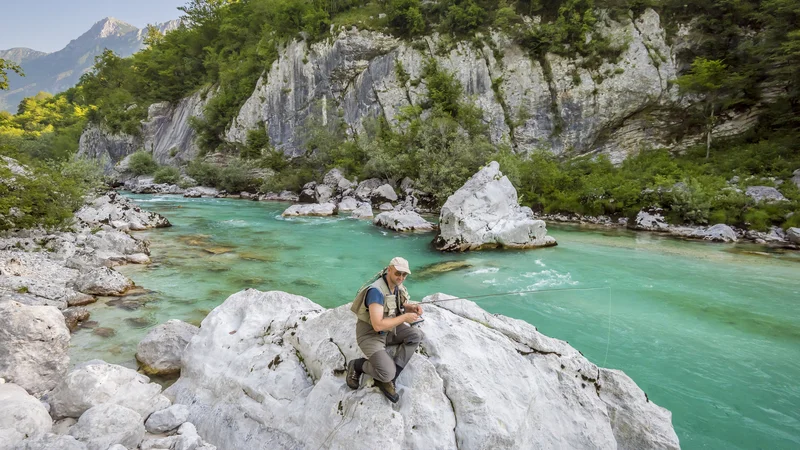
{"x": 743, "y": 53}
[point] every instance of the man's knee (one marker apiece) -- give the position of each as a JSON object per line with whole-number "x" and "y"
{"x": 415, "y": 336}
{"x": 386, "y": 373}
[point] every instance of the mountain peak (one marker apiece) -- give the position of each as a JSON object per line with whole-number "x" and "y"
{"x": 109, "y": 27}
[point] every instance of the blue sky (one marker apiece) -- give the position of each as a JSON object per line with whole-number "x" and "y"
{"x": 49, "y": 25}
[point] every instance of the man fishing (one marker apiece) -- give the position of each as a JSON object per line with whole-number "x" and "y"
{"x": 381, "y": 321}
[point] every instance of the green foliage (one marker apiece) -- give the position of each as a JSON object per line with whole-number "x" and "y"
{"x": 5, "y": 66}
{"x": 257, "y": 143}
{"x": 204, "y": 173}
{"x": 142, "y": 163}
{"x": 47, "y": 197}
{"x": 405, "y": 17}
{"x": 167, "y": 174}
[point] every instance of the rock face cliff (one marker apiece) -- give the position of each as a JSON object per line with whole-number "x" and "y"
{"x": 267, "y": 370}
{"x": 554, "y": 103}
{"x": 166, "y": 134}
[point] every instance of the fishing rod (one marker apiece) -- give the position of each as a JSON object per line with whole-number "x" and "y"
{"x": 532, "y": 291}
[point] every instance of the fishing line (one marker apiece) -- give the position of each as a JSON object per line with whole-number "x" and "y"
{"x": 539, "y": 291}
{"x": 532, "y": 291}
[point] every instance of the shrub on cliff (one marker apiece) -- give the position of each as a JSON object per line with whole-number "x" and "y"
{"x": 142, "y": 163}
{"x": 167, "y": 174}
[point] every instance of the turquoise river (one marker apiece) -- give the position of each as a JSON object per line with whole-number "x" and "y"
{"x": 709, "y": 331}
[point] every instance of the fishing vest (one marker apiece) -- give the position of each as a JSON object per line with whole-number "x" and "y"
{"x": 391, "y": 303}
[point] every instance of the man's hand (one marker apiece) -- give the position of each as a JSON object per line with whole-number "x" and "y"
{"x": 414, "y": 307}
{"x": 410, "y": 317}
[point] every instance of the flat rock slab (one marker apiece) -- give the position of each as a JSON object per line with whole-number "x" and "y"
{"x": 403, "y": 221}
{"x": 313, "y": 209}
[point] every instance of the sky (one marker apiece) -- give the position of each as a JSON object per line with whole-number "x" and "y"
{"x": 49, "y": 25}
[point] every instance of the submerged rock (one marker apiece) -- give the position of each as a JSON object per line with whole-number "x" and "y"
{"x": 161, "y": 349}
{"x": 485, "y": 213}
{"x": 273, "y": 364}
{"x": 439, "y": 268}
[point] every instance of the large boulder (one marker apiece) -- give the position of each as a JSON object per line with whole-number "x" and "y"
{"x": 765, "y": 194}
{"x": 160, "y": 352}
{"x": 348, "y": 204}
{"x": 201, "y": 191}
{"x": 313, "y": 209}
{"x": 363, "y": 211}
{"x": 115, "y": 207}
{"x": 167, "y": 419}
{"x": 108, "y": 424}
{"x": 336, "y": 181}
{"x": 21, "y": 416}
{"x": 796, "y": 178}
{"x": 650, "y": 219}
{"x": 103, "y": 281}
{"x": 365, "y": 189}
{"x": 485, "y": 213}
{"x": 273, "y": 363}
{"x": 34, "y": 344}
{"x": 793, "y": 235}
{"x": 51, "y": 441}
{"x": 403, "y": 221}
{"x": 719, "y": 233}
{"x": 96, "y": 382}
{"x": 384, "y": 193}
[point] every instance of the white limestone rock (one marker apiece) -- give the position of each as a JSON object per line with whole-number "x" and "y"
{"x": 103, "y": 281}
{"x": 21, "y": 416}
{"x": 97, "y": 382}
{"x": 485, "y": 213}
{"x": 403, "y": 221}
{"x": 50, "y": 441}
{"x": 160, "y": 352}
{"x": 796, "y": 178}
{"x": 274, "y": 364}
{"x": 167, "y": 419}
{"x": 366, "y": 188}
{"x": 283, "y": 196}
{"x": 138, "y": 258}
{"x": 384, "y": 193}
{"x": 793, "y": 235}
{"x": 201, "y": 191}
{"x": 766, "y": 194}
{"x": 363, "y": 211}
{"x": 348, "y": 204}
{"x": 650, "y": 219}
{"x": 386, "y": 207}
{"x": 323, "y": 193}
{"x": 718, "y": 233}
{"x": 107, "y": 424}
{"x": 313, "y": 209}
{"x": 113, "y": 206}
{"x": 34, "y": 344}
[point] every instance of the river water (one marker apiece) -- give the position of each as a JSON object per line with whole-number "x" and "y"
{"x": 709, "y": 331}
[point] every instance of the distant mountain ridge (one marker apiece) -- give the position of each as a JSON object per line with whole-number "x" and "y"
{"x": 58, "y": 71}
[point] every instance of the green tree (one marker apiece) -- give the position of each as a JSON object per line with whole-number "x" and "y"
{"x": 5, "y": 66}
{"x": 717, "y": 85}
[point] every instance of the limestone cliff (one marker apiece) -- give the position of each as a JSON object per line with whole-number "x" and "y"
{"x": 166, "y": 133}
{"x": 553, "y": 102}
{"x": 556, "y": 103}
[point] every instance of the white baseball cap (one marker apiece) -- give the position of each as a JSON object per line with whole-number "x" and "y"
{"x": 400, "y": 264}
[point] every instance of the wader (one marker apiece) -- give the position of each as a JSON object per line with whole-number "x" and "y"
{"x": 380, "y": 365}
